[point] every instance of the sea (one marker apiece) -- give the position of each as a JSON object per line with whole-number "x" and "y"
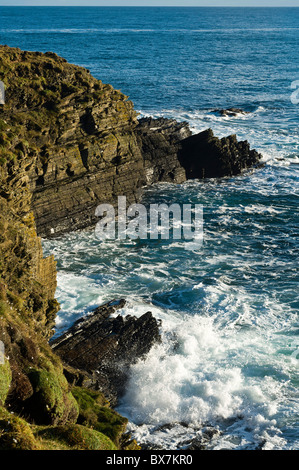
{"x": 226, "y": 371}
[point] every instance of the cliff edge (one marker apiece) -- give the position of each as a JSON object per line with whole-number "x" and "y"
{"x": 39, "y": 408}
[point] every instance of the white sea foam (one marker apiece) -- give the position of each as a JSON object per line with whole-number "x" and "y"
{"x": 228, "y": 365}
{"x": 202, "y": 374}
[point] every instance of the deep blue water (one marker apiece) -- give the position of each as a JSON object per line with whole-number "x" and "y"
{"x": 230, "y": 307}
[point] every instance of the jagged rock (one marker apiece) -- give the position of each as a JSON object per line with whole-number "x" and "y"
{"x": 172, "y": 154}
{"x": 205, "y": 156}
{"x": 230, "y": 112}
{"x": 104, "y": 347}
{"x": 159, "y": 141}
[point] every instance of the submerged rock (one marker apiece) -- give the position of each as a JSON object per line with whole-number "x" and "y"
{"x": 230, "y": 112}
{"x": 105, "y": 347}
{"x": 201, "y": 441}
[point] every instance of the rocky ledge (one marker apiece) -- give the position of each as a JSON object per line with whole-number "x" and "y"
{"x": 205, "y": 156}
{"x": 172, "y": 154}
{"x": 101, "y": 347}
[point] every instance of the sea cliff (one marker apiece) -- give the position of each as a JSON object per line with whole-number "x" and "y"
{"x": 68, "y": 142}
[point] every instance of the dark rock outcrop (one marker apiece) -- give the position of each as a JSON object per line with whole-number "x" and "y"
{"x": 172, "y": 154}
{"x": 159, "y": 141}
{"x": 230, "y": 112}
{"x": 105, "y": 347}
{"x": 205, "y": 156}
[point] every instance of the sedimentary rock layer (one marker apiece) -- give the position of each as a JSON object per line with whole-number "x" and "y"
{"x": 78, "y": 135}
{"x": 159, "y": 143}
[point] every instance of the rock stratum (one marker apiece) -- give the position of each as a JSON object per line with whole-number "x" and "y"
{"x": 68, "y": 143}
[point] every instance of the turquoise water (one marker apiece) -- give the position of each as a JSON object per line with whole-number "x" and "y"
{"x": 230, "y": 351}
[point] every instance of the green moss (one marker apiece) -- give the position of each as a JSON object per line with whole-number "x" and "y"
{"x": 111, "y": 424}
{"x": 94, "y": 412}
{"x": 3, "y": 125}
{"x": 51, "y": 402}
{"x": 87, "y": 399}
{"x": 50, "y": 94}
{"x": 15, "y": 433}
{"x": 4, "y": 308}
{"x": 5, "y": 381}
{"x": 16, "y": 300}
{"x": 74, "y": 437}
{"x": 6, "y": 155}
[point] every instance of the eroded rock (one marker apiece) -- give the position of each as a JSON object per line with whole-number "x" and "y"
{"x": 105, "y": 346}
{"x": 159, "y": 141}
{"x": 204, "y": 155}
{"x": 231, "y": 112}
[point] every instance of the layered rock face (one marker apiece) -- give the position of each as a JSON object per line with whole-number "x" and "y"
{"x": 27, "y": 308}
{"x": 86, "y": 146}
{"x": 159, "y": 142}
{"x": 80, "y": 135}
